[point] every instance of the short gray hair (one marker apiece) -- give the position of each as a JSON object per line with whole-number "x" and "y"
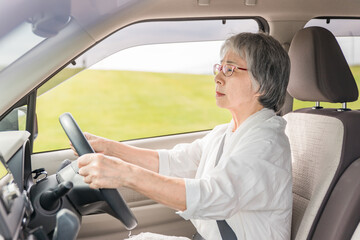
{"x": 268, "y": 65}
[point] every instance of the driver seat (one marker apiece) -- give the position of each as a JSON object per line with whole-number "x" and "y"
{"x": 325, "y": 143}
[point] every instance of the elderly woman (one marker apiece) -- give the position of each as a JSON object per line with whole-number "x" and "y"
{"x": 240, "y": 172}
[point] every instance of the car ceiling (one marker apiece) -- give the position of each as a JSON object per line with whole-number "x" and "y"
{"x": 272, "y": 11}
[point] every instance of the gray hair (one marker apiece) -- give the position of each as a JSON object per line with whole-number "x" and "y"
{"x": 268, "y": 65}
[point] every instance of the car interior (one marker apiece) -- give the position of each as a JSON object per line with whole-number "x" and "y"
{"x": 43, "y": 197}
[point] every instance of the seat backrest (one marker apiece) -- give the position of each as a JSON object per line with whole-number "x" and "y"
{"x": 324, "y": 142}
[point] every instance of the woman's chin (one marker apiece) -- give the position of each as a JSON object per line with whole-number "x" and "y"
{"x": 220, "y": 103}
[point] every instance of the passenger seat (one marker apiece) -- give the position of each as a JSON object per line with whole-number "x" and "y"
{"x": 325, "y": 143}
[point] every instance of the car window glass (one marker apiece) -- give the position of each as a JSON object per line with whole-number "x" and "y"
{"x": 142, "y": 91}
{"x": 147, "y": 33}
{"x": 347, "y": 33}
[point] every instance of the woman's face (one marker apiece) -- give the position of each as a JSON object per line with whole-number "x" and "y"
{"x": 235, "y": 92}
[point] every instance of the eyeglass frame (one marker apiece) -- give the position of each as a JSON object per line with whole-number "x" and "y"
{"x": 219, "y": 68}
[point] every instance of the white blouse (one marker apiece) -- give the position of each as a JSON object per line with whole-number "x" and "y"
{"x": 250, "y": 187}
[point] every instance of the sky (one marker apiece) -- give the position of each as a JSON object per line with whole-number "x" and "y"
{"x": 195, "y": 58}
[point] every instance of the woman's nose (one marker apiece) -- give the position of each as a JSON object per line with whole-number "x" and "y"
{"x": 218, "y": 79}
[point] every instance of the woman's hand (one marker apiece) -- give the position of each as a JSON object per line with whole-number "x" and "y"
{"x": 99, "y": 144}
{"x": 100, "y": 171}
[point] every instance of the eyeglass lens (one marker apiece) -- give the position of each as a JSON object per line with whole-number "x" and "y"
{"x": 226, "y": 69}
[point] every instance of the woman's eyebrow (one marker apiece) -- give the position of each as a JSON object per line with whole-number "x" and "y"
{"x": 228, "y": 61}
{"x": 232, "y": 63}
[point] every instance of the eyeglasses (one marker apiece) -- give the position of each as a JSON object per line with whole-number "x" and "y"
{"x": 227, "y": 69}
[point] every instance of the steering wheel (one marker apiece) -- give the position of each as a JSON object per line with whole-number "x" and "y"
{"x": 111, "y": 196}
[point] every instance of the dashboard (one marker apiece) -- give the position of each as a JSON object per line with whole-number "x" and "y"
{"x": 32, "y": 208}
{"x": 15, "y": 207}
{"x": 34, "y": 205}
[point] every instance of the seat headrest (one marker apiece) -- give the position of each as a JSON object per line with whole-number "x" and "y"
{"x": 319, "y": 71}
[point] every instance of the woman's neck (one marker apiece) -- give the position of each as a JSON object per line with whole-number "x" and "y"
{"x": 241, "y": 114}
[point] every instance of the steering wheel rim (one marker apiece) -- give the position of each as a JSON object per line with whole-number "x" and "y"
{"x": 111, "y": 196}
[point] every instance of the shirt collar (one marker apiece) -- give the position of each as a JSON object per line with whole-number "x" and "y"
{"x": 251, "y": 121}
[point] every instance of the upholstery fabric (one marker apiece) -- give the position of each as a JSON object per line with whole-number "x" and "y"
{"x": 316, "y": 145}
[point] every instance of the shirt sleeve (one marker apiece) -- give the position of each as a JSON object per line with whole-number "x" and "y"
{"x": 256, "y": 176}
{"x": 181, "y": 161}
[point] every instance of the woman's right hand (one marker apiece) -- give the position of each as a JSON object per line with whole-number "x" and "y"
{"x": 99, "y": 144}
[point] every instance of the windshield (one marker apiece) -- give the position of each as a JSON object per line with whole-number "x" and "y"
{"x": 16, "y": 43}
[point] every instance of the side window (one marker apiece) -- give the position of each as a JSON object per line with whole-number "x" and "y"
{"x": 142, "y": 91}
{"x": 347, "y": 33}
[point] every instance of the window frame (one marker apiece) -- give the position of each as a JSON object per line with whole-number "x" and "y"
{"x": 262, "y": 25}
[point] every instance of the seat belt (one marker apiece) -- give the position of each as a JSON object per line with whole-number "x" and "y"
{"x": 225, "y": 230}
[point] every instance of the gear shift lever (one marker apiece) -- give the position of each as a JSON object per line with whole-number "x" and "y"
{"x": 49, "y": 200}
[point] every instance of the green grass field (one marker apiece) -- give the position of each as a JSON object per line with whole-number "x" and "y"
{"x": 124, "y": 105}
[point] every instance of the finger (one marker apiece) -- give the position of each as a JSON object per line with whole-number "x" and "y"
{"x": 84, "y": 171}
{"x": 90, "y": 180}
{"x": 89, "y": 136}
{"x": 74, "y": 150}
{"x": 97, "y": 183}
{"x": 87, "y": 179}
{"x": 92, "y": 139}
{"x": 85, "y": 159}
{"x": 94, "y": 186}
